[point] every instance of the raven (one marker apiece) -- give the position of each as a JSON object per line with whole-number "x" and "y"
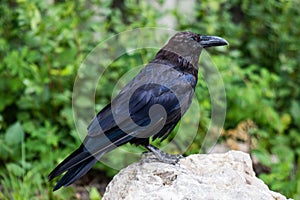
{"x": 150, "y": 105}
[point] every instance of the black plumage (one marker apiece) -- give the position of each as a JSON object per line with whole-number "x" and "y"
{"x": 150, "y": 105}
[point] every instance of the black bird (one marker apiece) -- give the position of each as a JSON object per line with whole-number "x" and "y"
{"x": 150, "y": 105}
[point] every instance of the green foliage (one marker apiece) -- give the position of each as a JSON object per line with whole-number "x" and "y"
{"x": 40, "y": 50}
{"x": 42, "y": 44}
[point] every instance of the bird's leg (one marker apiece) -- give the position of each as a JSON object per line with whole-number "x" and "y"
{"x": 163, "y": 156}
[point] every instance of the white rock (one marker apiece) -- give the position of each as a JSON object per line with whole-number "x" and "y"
{"x": 200, "y": 176}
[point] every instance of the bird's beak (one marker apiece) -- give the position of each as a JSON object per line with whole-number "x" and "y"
{"x": 210, "y": 41}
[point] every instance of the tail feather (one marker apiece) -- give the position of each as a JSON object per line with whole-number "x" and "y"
{"x": 72, "y": 160}
{"x": 82, "y": 160}
{"x": 76, "y": 165}
{"x": 75, "y": 173}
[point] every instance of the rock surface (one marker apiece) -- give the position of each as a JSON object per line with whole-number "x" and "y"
{"x": 211, "y": 176}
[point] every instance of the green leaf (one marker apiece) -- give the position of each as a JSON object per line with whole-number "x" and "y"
{"x": 14, "y": 134}
{"x": 15, "y": 169}
{"x": 94, "y": 194}
{"x": 295, "y": 112}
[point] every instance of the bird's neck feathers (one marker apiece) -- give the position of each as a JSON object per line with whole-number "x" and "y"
{"x": 185, "y": 64}
{"x": 182, "y": 52}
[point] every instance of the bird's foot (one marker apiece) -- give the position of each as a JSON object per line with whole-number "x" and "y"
{"x": 163, "y": 156}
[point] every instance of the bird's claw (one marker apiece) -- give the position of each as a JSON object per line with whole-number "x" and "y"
{"x": 170, "y": 158}
{"x": 163, "y": 156}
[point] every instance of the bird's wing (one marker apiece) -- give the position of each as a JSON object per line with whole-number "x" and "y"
{"x": 135, "y": 119}
{"x": 128, "y": 116}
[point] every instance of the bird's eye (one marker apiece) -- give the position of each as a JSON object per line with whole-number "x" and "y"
{"x": 196, "y": 38}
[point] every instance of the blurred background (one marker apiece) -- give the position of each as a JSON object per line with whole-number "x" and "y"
{"x": 42, "y": 44}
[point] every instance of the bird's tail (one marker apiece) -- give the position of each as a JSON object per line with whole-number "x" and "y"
{"x": 76, "y": 165}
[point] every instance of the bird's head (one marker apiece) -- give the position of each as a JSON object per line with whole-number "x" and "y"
{"x": 196, "y": 40}
{"x": 189, "y": 45}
